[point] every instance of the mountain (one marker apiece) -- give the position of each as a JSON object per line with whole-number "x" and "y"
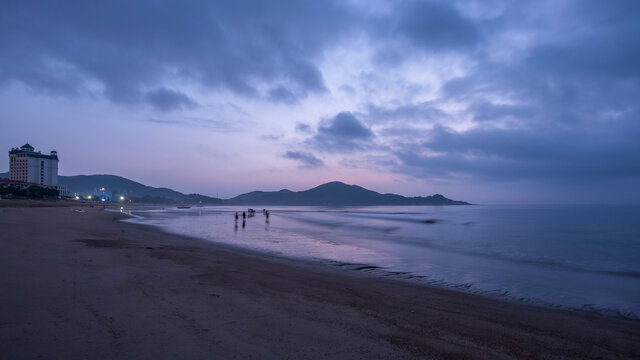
{"x": 330, "y": 194}
{"x": 89, "y": 184}
{"x": 336, "y": 194}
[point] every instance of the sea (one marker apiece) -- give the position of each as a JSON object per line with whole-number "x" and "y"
{"x": 583, "y": 258}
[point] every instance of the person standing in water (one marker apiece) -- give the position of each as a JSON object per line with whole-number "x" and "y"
{"x": 235, "y": 223}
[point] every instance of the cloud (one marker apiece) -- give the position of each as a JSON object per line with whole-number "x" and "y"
{"x": 423, "y": 26}
{"x": 253, "y": 49}
{"x": 346, "y": 126}
{"x": 560, "y": 107}
{"x": 536, "y": 92}
{"x": 343, "y": 132}
{"x": 304, "y": 128}
{"x": 434, "y": 25}
{"x": 424, "y": 112}
{"x": 271, "y": 137}
{"x": 348, "y": 90}
{"x": 307, "y": 159}
{"x": 167, "y": 100}
{"x": 542, "y": 154}
{"x": 483, "y": 111}
{"x": 217, "y": 124}
{"x": 164, "y": 121}
{"x": 118, "y": 49}
{"x": 282, "y": 94}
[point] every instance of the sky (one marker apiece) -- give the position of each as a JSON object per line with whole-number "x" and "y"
{"x": 486, "y": 101}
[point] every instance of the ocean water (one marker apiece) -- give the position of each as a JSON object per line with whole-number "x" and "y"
{"x": 581, "y": 257}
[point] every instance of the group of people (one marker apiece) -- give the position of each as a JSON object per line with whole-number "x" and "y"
{"x": 250, "y": 213}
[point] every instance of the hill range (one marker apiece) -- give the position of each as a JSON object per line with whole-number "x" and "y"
{"x": 330, "y": 194}
{"x": 337, "y": 194}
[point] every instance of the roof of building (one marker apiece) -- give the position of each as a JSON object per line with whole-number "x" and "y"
{"x": 29, "y": 150}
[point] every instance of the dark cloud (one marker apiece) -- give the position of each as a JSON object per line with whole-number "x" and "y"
{"x": 577, "y": 156}
{"x": 346, "y": 126}
{"x": 592, "y": 63}
{"x": 305, "y": 128}
{"x": 282, "y": 94}
{"x": 426, "y": 26}
{"x": 561, "y": 110}
{"x": 485, "y": 111}
{"x": 125, "y": 47}
{"x": 434, "y": 25}
{"x": 167, "y": 100}
{"x": 604, "y": 46}
{"x": 343, "y": 132}
{"x": 307, "y": 159}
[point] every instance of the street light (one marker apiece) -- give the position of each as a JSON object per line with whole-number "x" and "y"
{"x": 121, "y": 198}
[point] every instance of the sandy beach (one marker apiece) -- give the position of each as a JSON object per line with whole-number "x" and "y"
{"x": 83, "y": 285}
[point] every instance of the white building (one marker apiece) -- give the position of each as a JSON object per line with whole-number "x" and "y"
{"x": 28, "y": 166}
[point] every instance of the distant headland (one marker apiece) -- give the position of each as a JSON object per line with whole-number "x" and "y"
{"x": 336, "y": 193}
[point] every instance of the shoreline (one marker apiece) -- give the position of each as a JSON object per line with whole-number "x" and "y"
{"x": 373, "y": 271}
{"x": 89, "y": 285}
{"x": 380, "y": 272}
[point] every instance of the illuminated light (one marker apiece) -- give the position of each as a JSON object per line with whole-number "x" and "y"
{"x": 77, "y": 197}
{"x": 89, "y": 197}
{"x": 101, "y": 189}
{"x": 121, "y": 197}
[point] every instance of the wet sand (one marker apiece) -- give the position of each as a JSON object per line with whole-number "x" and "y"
{"x": 78, "y": 285}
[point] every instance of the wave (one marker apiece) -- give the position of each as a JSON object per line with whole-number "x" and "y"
{"x": 358, "y": 228}
{"x": 523, "y": 259}
{"x": 501, "y": 293}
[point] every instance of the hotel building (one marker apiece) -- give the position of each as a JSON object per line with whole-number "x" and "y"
{"x": 28, "y": 166}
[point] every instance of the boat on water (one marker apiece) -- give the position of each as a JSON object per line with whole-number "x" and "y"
{"x": 184, "y": 207}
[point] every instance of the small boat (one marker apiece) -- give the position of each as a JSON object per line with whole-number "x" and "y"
{"x": 184, "y": 207}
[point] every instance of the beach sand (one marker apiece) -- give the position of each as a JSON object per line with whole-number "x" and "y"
{"x": 82, "y": 285}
